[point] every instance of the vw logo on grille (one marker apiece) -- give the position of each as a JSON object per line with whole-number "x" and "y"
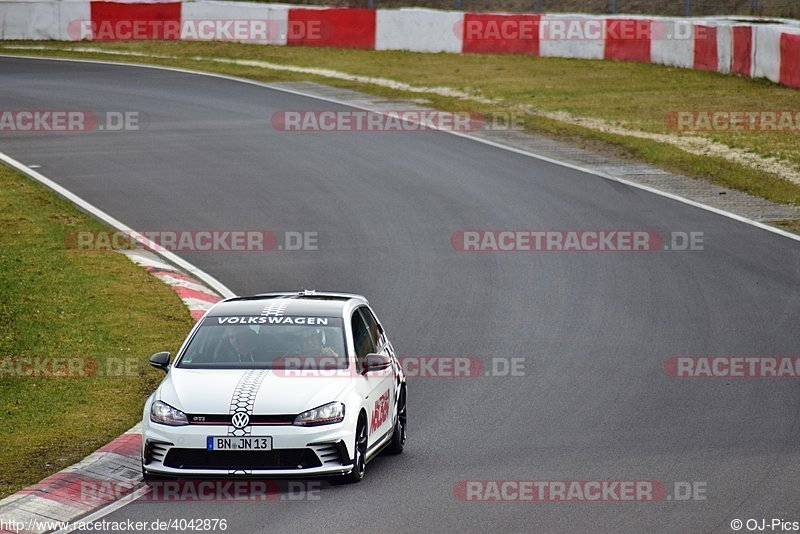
{"x": 240, "y": 420}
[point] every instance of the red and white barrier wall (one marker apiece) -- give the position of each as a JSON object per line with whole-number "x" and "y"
{"x": 40, "y": 20}
{"x": 275, "y": 16}
{"x": 420, "y": 30}
{"x": 726, "y": 45}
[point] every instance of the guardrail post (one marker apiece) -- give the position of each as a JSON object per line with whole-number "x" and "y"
{"x": 371, "y": 4}
{"x": 612, "y": 7}
{"x": 687, "y": 8}
{"x": 537, "y": 6}
{"x": 458, "y": 5}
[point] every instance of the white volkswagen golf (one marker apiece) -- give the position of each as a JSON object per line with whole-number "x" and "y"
{"x": 279, "y": 384}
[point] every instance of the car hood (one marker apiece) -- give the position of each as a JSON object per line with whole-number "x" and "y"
{"x": 202, "y": 391}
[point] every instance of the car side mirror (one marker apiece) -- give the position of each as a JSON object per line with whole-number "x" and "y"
{"x": 376, "y": 362}
{"x": 160, "y": 360}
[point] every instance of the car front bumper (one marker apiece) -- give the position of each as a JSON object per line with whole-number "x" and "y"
{"x": 296, "y": 451}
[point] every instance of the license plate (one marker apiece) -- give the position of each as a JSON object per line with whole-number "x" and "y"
{"x": 230, "y": 443}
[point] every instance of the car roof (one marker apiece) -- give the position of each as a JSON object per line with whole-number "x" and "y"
{"x": 306, "y": 303}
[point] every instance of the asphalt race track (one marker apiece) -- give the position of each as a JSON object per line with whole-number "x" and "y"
{"x": 594, "y": 328}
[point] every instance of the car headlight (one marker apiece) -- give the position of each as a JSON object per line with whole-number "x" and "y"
{"x": 163, "y": 413}
{"x": 324, "y": 415}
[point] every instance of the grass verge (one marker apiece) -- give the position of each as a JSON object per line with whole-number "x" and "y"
{"x": 632, "y": 95}
{"x": 792, "y": 226}
{"x": 98, "y": 309}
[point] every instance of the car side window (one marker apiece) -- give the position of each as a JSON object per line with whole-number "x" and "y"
{"x": 375, "y": 333}
{"x": 361, "y": 338}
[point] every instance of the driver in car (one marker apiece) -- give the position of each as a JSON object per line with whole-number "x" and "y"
{"x": 243, "y": 341}
{"x": 311, "y": 344}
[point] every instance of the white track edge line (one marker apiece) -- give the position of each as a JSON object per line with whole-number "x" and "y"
{"x": 649, "y": 189}
{"x": 111, "y": 221}
{"x": 104, "y": 511}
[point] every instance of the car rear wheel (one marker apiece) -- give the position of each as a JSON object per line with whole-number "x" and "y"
{"x": 399, "y": 435}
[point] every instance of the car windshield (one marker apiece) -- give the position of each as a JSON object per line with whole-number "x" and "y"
{"x": 261, "y": 342}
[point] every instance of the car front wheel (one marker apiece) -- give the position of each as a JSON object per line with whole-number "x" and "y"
{"x": 360, "y": 459}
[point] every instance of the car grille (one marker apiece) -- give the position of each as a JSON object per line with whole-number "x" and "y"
{"x": 225, "y": 419}
{"x": 240, "y": 460}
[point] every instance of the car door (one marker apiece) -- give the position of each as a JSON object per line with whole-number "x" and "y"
{"x": 367, "y": 338}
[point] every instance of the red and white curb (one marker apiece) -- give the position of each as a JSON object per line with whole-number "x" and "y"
{"x": 107, "y": 475}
